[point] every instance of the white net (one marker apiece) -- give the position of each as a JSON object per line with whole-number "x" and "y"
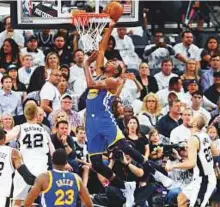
{"x": 90, "y": 30}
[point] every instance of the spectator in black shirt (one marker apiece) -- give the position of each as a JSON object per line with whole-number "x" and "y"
{"x": 213, "y": 92}
{"x": 170, "y": 121}
{"x": 110, "y": 52}
{"x": 62, "y": 140}
{"x": 59, "y": 47}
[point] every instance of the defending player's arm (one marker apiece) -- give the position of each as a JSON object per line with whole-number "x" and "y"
{"x": 84, "y": 194}
{"x": 18, "y": 164}
{"x": 190, "y": 162}
{"x": 36, "y": 189}
{"x": 12, "y": 135}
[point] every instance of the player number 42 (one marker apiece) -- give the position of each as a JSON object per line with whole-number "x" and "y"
{"x": 64, "y": 197}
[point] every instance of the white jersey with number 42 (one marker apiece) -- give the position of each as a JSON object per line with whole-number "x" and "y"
{"x": 33, "y": 143}
{"x": 204, "y": 165}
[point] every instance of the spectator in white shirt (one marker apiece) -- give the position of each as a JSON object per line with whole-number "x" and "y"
{"x": 77, "y": 79}
{"x": 9, "y": 32}
{"x": 197, "y": 99}
{"x": 126, "y": 48}
{"x": 182, "y": 133}
{"x": 175, "y": 84}
{"x": 32, "y": 49}
{"x": 49, "y": 94}
{"x": 158, "y": 51}
{"x": 186, "y": 50}
{"x": 25, "y": 72}
{"x": 165, "y": 75}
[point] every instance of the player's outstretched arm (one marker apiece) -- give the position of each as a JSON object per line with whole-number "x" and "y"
{"x": 18, "y": 164}
{"x": 36, "y": 189}
{"x": 190, "y": 162}
{"x": 84, "y": 194}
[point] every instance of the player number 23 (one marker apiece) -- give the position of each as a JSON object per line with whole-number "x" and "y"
{"x": 64, "y": 197}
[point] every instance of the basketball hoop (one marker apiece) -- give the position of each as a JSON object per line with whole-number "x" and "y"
{"x": 90, "y": 26}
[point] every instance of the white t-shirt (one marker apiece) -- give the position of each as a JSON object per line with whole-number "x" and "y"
{"x": 163, "y": 80}
{"x": 203, "y": 112}
{"x": 180, "y": 134}
{"x": 38, "y": 56}
{"x": 193, "y": 50}
{"x": 76, "y": 73}
{"x": 156, "y": 57}
{"x": 24, "y": 76}
{"x": 51, "y": 93}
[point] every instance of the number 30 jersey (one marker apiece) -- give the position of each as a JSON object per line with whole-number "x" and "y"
{"x": 33, "y": 143}
{"x": 63, "y": 190}
{"x": 204, "y": 165}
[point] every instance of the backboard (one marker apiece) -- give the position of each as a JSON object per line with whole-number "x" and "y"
{"x": 39, "y": 14}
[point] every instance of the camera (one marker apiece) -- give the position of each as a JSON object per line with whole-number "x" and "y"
{"x": 168, "y": 149}
{"x": 117, "y": 155}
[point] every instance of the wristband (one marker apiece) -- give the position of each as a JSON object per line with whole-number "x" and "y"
{"x": 65, "y": 145}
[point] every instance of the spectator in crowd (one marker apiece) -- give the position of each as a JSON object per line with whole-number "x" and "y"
{"x": 157, "y": 52}
{"x": 45, "y": 39}
{"x": 197, "y": 99}
{"x": 118, "y": 111}
{"x": 17, "y": 86}
{"x": 40, "y": 118}
{"x": 213, "y": 92}
{"x": 65, "y": 70}
{"x": 172, "y": 120}
{"x": 133, "y": 135}
{"x": 213, "y": 134}
{"x": 74, "y": 118}
{"x": 26, "y": 71}
{"x": 77, "y": 81}
{"x": 61, "y": 139}
{"x": 156, "y": 147}
{"x": 175, "y": 84}
{"x": 216, "y": 112}
{"x": 37, "y": 81}
{"x": 49, "y": 94}
{"x": 51, "y": 63}
{"x": 126, "y": 48}
{"x": 33, "y": 50}
{"x": 130, "y": 89}
{"x": 186, "y": 50}
{"x": 207, "y": 77}
{"x": 182, "y": 133}
{"x": 9, "y": 54}
{"x": 63, "y": 86}
{"x": 151, "y": 111}
{"x": 149, "y": 83}
{"x": 9, "y": 32}
{"x": 192, "y": 87}
{"x": 191, "y": 73}
{"x": 111, "y": 52}
{"x": 60, "y": 48}
{"x": 10, "y": 100}
{"x": 82, "y": 154}
{"x": 128, "y": 112}
{"x": 7, "y": 122}
{"x": 164, "y": 76}
{"x": 211, "y": 48}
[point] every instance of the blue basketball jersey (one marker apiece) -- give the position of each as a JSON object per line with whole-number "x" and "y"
{"x": 62, "y": 191}
{"x": 99, "y": 103}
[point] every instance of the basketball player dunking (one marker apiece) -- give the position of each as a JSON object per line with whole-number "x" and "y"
{"x": 35, "y": 146}
{"x": 200, "y": 152}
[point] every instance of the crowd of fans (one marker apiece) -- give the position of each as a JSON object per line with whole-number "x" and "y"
{"x": 162, "y": 90}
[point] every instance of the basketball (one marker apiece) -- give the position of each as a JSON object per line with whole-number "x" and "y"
{"x": 115, "y": 10}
